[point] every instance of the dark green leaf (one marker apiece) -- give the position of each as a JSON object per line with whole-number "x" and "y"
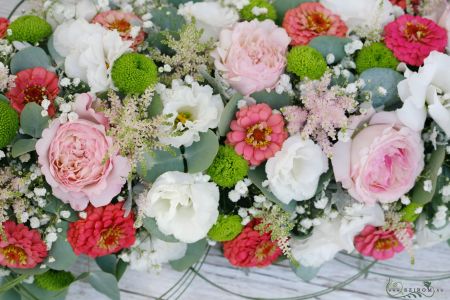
{"x": 105, "y": 283}
{"x": 61, "y": 250}
{"x": 23, "y": 146}
{"x": 193, "y": 254}
{"x": 10, "y": 294}
{"x": 31, "y": 120}
{"x": 28, "y": 58}
{"x": 152, "y": 227}
{"x": 305, "y": 273}
{"x": 201, "y": 154}
{"x": 159, "y": 162}
{"x": 34, "y": 271}
{"x": 228, "y": 114}
{"x": 257, "y": 177}
{"x": 274, "y": 100}
{"x": 215, "y": 84}
{"x": 107, "y": 263}
{"x": 39, "y": 293}
{"x": 121, "y": 268}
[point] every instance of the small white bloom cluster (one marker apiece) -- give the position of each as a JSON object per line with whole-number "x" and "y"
{"x": 256, "y": 11}
{"x": 6, "y": 80}
{"x": 5, "y": 48}
{"x": 165, "y": 68}
{"x": 353, "y": 46}
{"x": 260, "y": 202}
{"x": 51, "y": 236}
{"x": 440, "y": 217}
{"x": 67, "y": 115}
{"x": 284, "y": 85}
{"x": 239, "y": 4}
{"x": 428, "y": 186}
{"x": 240, "y": 190}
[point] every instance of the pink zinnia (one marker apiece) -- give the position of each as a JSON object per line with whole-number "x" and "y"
{"x": 379, "y": 243}
{"x": 257, "y": 134}
{"x": 4, "y": 23}
{"x": 123, "y": 22}
{"x": 413, "y": 38}
{"x": 309, "y": 20}
{"x": 34, "y": 85}
{"x": 23, "y": 247}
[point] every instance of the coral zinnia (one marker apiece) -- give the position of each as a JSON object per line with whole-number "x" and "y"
{"x": 34, "y": 85}
{"x": 257, "y": 134}
{"x": 104, "y": 231}
{"x": 4, "y": 23}
{"x": 23, "y": 247}
{"x": 309, "y": 20}
{"x": 379, "y": 243}
{"x": 413, "y": 38}
{"x": 251, "y": 249}
{"x": 123, "y": 22}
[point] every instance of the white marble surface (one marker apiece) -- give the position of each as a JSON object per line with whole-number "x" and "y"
{"x": 274, "y": 281}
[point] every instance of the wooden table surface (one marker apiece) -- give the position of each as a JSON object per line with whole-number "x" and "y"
{"x": 275, "y": 281}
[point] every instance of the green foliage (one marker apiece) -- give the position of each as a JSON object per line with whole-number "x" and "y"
{"x": 376, "y": 55}
{"x": 31, "y": 120}
{"x": 53, "y": 280}
{"x": 152, "y": 227}
{"x": 226, "y": 228}
{"x": 193, "y": 254}
{"x": 274, "y": 100}
{"x": 9, "y": 124}
{"x": 23, "y": 146}
{"x": 28, "y": 58}
{"x": 104, "y": 283}
{"x": 330, "y": 44}
{"x": 306, "y": 62}
{"x": 228, "y": 114}
{"x": 133, "y": 73}
{"x": 282, "y": 6}
{"x": 61, "y": 250}
{"x": 112, "y": 264}
{"x": 247, "y": 14}
{"x": 167, "y": 18}
{"x": 30, "y": 29}
{"x": 228, "y": 167}
{"x": 305, "y": 273}
{"x": 200, "y": 155}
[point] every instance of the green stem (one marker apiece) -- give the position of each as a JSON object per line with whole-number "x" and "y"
{"x": 12, "y": 283}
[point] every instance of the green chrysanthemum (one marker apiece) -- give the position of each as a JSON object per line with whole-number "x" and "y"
{"x": 53, "y": 280}
{"x": 248, "y": 14}
{"x": 9, "y": 124}
{"x": 376, "y": 55}
{"x": 133, "y": 73}
{"x": 305, "y": 61}
{"x": 411, "y": 212}
{"x": 30, "y": 29}
{"x": 226, "y": 228}
{"x": 228, "y": 167}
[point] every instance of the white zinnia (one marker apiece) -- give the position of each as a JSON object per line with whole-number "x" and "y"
{"x": 430, "y": 85}
{"x": 184, "y": 205}
{"x": 192, "y": 109}
{"x": 89, "y": 51}
{"x": 212, "y": 17}
{"x": 61, "y": 11}
{"x": 332, "y": 236}
{"x": 294, "y": 172}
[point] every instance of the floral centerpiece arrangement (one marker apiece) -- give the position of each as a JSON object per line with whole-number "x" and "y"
{"x": 139, "y": 133}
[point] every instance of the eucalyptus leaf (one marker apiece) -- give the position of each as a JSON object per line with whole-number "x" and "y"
{"x": 228, "y": 115}
{"x": 34, "y": 271}
{"x": 193, "y": 254}
{"x": 330, "y": 44}
{"x": 156, "y": 106}
{"x": 10, "y": 294}
{"x": 121, "y": 268}
{"x": 257, "y": 177}
{"x": 104, "y": 283}
{"x": 40, "y": 293}
{"x": 274, "y": 100}
{"x": 61, "y": 250}
{"x": 305, "y": 273}
{"x": 167, "y": 18}
{"x": 3, "y": 98}
{"x": 107, "y": 263}
{"x": 178, "y": 2}
{"x": 160, "y": 161}
{"x": 152, "y": 227}
{"x": 282, "y": 6}
{"x": 58, "y": 59}
{"x": 215, "y": 84}
{"x": 55, "y": 206}
{"x": 200, "y": 155}
{"x": 28, "y": 58}
{"x": 23, "y": 146}
{"x": 31, "y": 120}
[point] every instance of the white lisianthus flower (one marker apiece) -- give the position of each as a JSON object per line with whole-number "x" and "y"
{"x": 427, "y": 237}
{"x": 149, "y": 254}
{"x": 212, "y": 17}
{"x": 192, "y": 110}
{"x": 294, "y": 172}
{"x": 430, "y": 85}
{"x": 367, "y": 13}
{"x": 184, "y": 205}
{"x": 65, "y": 10}
{"x": 332, "y": 236}
{"x": 89, "y": 51}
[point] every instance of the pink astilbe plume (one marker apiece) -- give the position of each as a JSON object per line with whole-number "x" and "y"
{"x": 295, "y": 117}
{"x": 326, "y": 108}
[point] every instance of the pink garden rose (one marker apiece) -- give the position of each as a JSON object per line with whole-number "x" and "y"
{"x": 79, "y": 161}
{"x": 381, "y": 162}
{"x": 252, "y": 55}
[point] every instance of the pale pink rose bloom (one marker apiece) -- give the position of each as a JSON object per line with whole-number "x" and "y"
{"x": 381, "y": 162}
{"x": 79, "y": 161}
{"x": 252, "y": 55}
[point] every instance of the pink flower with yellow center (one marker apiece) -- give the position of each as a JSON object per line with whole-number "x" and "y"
{"x": 257, "y": 133}
{"x": 413, "y": 38}
{"x": 23, "y": 248}
{"x": 123, "y": 22}
{"x": 310, "y": 20}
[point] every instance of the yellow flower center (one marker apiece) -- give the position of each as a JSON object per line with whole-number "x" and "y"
{"x": 14, "y": 255}
{"x": 258, "y": 135}
{"x": 183, "y": 117}
{"x": 385, "y": 244}
{"x": 120, "y": 25}
{"x": 415, "y": 31}
{"x": 318, "y": 22}
{"x": 264, "y": 250}
{"x": 109, "y": 239}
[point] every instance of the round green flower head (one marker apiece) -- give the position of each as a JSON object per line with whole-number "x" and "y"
{"x": 226, "y": 228}
{"x": 305, "y": 61}
{"x": 267, "y": 11}
{"x": 409, "y": 212}
{"x": 53, "y": 280}
{"x": 30, "y": 29}
{"x": 376, "y": 55}
{"x": 133, "y": 73}
{"x": 228, "y": 167}
{"x": 9, "y": 124}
